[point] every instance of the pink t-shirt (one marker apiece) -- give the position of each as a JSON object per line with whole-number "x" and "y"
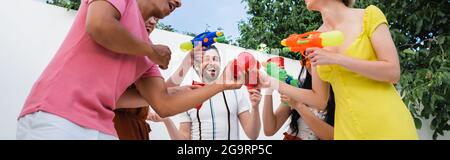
{"x": 84, "y": 80}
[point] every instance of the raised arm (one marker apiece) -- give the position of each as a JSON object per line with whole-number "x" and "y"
{"x": 154, "y": 90}
{"x": 250, "y": 120}
{"x": 194, "y": 56}
{"x": 272, "y": 122}
{"x": 103, "y": 25}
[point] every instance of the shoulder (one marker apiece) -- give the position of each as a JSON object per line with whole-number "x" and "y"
{"x": 373, "y": 17}
{"x": 372, "y": 8}
{"x": 373, "y": 13}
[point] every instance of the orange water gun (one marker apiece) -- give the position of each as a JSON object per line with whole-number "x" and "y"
{"x": 298, "y": 43}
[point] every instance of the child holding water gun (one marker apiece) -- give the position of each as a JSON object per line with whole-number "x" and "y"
{"x": 361, "y": 71}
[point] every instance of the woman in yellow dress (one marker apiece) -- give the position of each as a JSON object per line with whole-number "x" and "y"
{"x": 361, "y": 72}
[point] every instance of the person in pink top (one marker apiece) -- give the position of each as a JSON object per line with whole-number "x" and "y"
{"x": 106, "y": 50}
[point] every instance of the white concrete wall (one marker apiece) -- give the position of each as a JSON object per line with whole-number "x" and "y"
{"x": 31, "y": 32}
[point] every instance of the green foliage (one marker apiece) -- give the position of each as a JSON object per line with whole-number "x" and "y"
{"x": 75, "y": 4}
{"x": 273, "y": 20}
{"x": 165, "y": 27}
{"x": 420, "y": 32}
{"x": 423, "y": 41}
{"x": 69, "y": 4}
{"x": 189, "y": 33}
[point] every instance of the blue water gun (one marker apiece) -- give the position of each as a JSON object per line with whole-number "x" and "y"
{"x": 206, "y": 39}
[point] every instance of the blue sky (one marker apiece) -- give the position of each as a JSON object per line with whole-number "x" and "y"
{"x": 194, "y": 15}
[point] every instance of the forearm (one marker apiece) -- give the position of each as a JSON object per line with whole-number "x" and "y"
{"x": 121, "y": 41}
{"x": 169, "y": 105}
{"x": 377, "y": 70}
{"x": 174, "y": 133}
{"x": 322, "y": 129}
{"x": 306, "y": 96}
{"x": 155, "y": 92}
{"x": 255, "y": 124}
{"x": 132, "y": 99}
{"x": 269, "y": 119}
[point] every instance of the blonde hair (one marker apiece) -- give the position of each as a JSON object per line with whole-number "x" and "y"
{"x": 349, "y": 3}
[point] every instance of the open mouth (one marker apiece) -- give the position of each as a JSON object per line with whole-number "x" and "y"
{"x": 212, "y": 70}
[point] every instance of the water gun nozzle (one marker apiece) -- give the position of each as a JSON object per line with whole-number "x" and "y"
{"x": 283, "y": 42}
{"x": 219, "y": 33}
{"x": 186, "y": 46}
{"x": 220, "y": 39}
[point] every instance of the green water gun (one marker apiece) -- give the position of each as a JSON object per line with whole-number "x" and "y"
{"x": 275, "y": 71}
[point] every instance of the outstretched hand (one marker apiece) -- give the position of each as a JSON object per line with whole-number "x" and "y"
{"x": 228, "y": 80}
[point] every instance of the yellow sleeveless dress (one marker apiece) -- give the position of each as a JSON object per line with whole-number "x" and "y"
{"x": 365, "y": 108}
